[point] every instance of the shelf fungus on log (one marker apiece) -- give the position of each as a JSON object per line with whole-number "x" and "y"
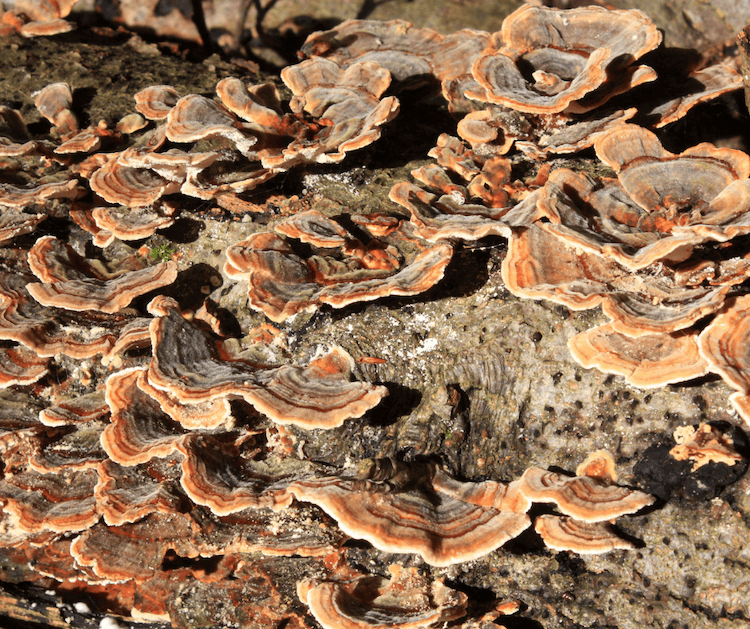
{"x": 549, "y": 60}
{"x": 541, "y": 265}
{"x": 413, "y": 56}
{"x": 20, "y": 366}
{"x": 69, "y": 281}
{"x": 282, "y": 283}
{"x": 582, "y": 497}
{"x": 651, "y": 360}
{"x": 401, "y": 510}
{"x": 486, "y": 203}
{"x": 14, "y": 223}
{"x": 723, "y": 343}
{"x": 156, "y": 101}
{"x": 214, "y": 474}
{"x": 138, "y": 430}
{"x": 584, "y": 538}
{"x": 346, "y": 103}
{"x": 54, "y": 102}
{"x": 50, "y": 331}
{"x": 62, "y": 501}
{"x": 405, "y": 601}
{"x": 187, "y": 364}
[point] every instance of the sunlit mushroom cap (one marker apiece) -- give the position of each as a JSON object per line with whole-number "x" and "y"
{"x": 67, "y": 281}
{"x": 407, "y": 600}
{"x": 582, "y": 497}
{"x": 724, "y": 343}
{"x": 196, "y": 117}
{"x": 347, "y": 102}
{"x": 585, "y": 538}
{"x": 14, "y": 223}
{"x": 139, "y": 429}
{"x": 20, "y": 366}
{"x": 652, "y": 360}
{"x": 54, "y": 102}
{"x": 282, "y": 283}
{"x": 14, "y": 196}
{"x": 317, "y": 396}
{"x": 156, "y": 101}
{"x": 418, "y": 518}
{"x": 131, "y": 187}
{"x": 549, "y": 58}
{"x": 540, "y": 265}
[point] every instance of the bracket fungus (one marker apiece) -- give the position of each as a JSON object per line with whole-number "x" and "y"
{"x": 402, "y": 510}
{"x": 282, "y": 283}
{"x": 187, "y": 364}
{"x": 548, "y": 60}
{"x": 190, "y": 455}
{"x": 405, "y": 601}
{"x": 68, "y": 281}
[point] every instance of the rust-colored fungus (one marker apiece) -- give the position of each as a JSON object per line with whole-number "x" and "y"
{"x": 651, "y": 360}
{"x": 174, "y": 464}
{"x": 582, "y": 497}
{"x": 585, "y": 538}
{"x": 406, "y": 600}
{"x": 70, "y": 282}
{"x": 347, "y": 102}
{"x": 282, "y": 283}
{"x": 703, "y": 444}
{"x": 54, "y": 102}
{"x": 547, "y": 60}
{"x": 19, "y": 365}
{"x": 187, "y": 364}
{"x": 401, "y": 511}
{"x": 156, "y": 101}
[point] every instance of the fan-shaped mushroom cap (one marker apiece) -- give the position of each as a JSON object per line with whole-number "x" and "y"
{"x": 282, "y": 283}
{"x": 131, "y": 187}
{"x": 582, "y": 497}
{"x": 258, "y": 104}
{"x": 196, "y": 117}
{"x": 156, "y": 101}
{"x": 584, "y": 538}
{"x": 704, "y": 444}
{"x": 19, "y": 365}
{"x": 25, "y": 197}
{"x": 188, "y": 366}
{"x": 716, "y": 80}
{"x": 46, "y": 28}
{"x": 346, "y": 100}
{"x": 419, "y": 518}
{"x": 139, "y": 429}
{"x": 48, "y": 331}
{"x": 724, "y": 343}
{"x": 652, "y": 360}
{"x": 125, "y": 495}
{"x": 569, "y": 53}
{"x": 14, "y": 223}
{"x": 406, "y": 601}
{"x": 66, "y": 285}
{"x": 131, "y": 223}
{"x": 54, "y": 102}
{"x": 62, "y": 501}
{"x": 81, "y": 409}
{"x": 541, "y": 266}
{"x": 395, "y": 45}
{"x": 214, "y": 475}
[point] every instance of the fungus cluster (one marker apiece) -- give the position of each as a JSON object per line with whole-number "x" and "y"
{"x": 185, "y": 447}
